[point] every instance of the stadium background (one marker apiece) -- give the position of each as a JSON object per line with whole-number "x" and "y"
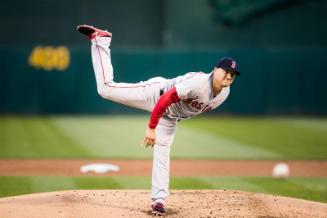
{"x": 46, "y": 72}
{"x": 280, "y": 46}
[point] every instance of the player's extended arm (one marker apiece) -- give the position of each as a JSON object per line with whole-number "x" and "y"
{"x": 163, "y": 103}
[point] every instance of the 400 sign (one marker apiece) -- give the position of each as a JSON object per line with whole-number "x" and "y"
{"x": 50, "y": 58}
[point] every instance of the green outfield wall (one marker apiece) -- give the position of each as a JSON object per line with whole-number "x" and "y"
{"x": 281, "y": 47}
{"x": 274, "y": 81}
{"x": 168, "y": 23}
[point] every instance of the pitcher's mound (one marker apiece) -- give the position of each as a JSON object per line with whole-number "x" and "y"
{"x": 136, "y": 203}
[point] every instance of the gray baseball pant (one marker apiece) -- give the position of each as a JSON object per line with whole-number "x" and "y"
{"x": 142, "y": 95}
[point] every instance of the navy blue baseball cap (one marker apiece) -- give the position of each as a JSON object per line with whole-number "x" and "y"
{"x": 229, "y": 64}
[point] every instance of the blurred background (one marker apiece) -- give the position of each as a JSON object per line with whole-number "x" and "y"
{"x": 50, "y": 109}
{"x": 280, "y": 46}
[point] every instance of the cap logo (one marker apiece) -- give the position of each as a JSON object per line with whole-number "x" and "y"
{"x": 233, "y": 65}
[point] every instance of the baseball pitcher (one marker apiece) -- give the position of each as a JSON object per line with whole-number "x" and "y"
{"x": 168, "y": 100}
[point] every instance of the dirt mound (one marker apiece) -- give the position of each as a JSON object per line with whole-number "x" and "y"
{"x": 135, "y": 203}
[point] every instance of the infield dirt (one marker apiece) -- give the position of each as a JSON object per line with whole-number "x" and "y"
{"x": 136, "y": 203}
{"x": 178, "y": 167}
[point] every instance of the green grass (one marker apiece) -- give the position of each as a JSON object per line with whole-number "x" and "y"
{"x": 119, "y": 137}
{"x": 306, "y": 188}
{"x": 288, "y": 138}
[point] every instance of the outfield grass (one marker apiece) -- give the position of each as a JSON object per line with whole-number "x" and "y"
{"x": 119, "y": 137}
{"x": 306, "y": 188}
{"x": 286, "y": 138}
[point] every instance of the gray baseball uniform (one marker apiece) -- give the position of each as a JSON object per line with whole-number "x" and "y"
{"x": 193, "y": 89}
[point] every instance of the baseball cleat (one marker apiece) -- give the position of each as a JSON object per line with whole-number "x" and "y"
{"x": 91, "y": 32}
{"x": 158, "y": 209}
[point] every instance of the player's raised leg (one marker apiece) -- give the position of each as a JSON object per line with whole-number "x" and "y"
{"x": 141, "y": 95}
{"x": 165, "y": 132}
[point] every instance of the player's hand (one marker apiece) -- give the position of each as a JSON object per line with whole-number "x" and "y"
{"x": 150, "y": 137}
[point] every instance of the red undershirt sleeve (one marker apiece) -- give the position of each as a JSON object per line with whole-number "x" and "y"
{"x": 163, "y": 103}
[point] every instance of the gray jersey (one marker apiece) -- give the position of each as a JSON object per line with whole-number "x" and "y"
{"x": 195, "y": 91}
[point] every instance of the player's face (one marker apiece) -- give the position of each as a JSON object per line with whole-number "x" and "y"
{"x": 223, "y": 78}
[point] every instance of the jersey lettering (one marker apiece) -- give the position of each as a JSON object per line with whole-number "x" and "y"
{"x": 194, "y": 103}
{"x": 206, "y": 108}
{"x": 188, "y": 101}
